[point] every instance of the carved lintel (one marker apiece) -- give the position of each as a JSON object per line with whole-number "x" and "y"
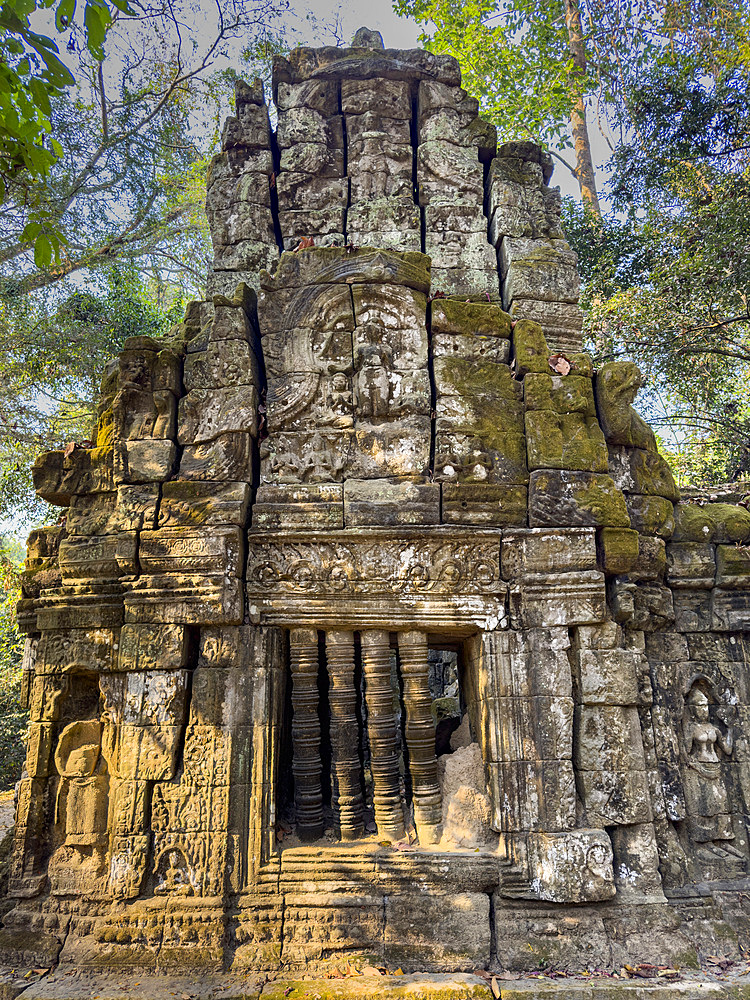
{"x": 306, "y": 764}
{"x": 342, "y": 697}
{"x": 381, "y": 729}
{"x": 420, "y": 734}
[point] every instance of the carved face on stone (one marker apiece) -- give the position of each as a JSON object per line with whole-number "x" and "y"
{"x": 698, "y": 703}
{"x": 78, "y": 749}
{"x": 598, "y": 861}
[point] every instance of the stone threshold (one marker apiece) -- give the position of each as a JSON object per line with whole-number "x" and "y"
{"x": 74, "y": 984}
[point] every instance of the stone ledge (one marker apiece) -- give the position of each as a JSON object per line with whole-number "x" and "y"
{"x": 73, "y": 984}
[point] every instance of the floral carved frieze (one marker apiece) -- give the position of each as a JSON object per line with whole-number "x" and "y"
{"x": 377, "y": 577}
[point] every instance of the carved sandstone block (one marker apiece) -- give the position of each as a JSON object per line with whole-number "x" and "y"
{"x": 145, "y": 461}
{"x": 542, "y": 550}
{"x": 57, "y": 477}
{"x": 225, "y": 364}
{"x": 541, "y": 269}
{"x": 229, "y": 458}
{"x": 76, "y": 651}
{"x": 179, "y": 599}
{"x": 153, "y": 647}
{"x": 607, "y": 676}
{"x": 651, "y": 515}
{"x": 732, "y": 565}
{"x": 189, "y": 550}
{"x": 574, "y": 867}
{"x": 526, "y": 729}
{"x": 188, "y": 504}
{"x": 206, "y": 413}
{"x": 149, "y": 753}
{"x": 98, "y": 557}
{"x": 484, "y": 504}
{"x": 514, "y": 665}
{"x": 575, "y": 498}
{"x": 155, "y": 698}
{"x": 565, "y": 441}
{"x": 454, "y": 932}
{"x": 532, "y": 796}
{"x": 691, "y": 564}
{"x": 295, "y": 506}
{"x": 391, "y": 98}
{"x": 374, "y": 501}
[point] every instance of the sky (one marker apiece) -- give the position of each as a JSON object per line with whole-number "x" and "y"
{"x": 397, "y": 32}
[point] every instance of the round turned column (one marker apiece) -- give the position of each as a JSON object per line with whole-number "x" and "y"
{"x": 345, "y": 764}
{"x": 381, "y": 730}
{"x": 306, "y": 767}
{"x": 420, "y": 734}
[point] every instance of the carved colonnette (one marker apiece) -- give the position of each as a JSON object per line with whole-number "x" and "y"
{"x": 326, "y": 475}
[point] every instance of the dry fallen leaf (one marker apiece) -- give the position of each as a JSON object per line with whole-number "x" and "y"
{"x": 69, "y": 448}
{"x": 495, "y": 987}
{"x": 560, "y": 364}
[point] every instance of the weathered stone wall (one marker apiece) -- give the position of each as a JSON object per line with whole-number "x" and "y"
{"x": 363, "y": 456}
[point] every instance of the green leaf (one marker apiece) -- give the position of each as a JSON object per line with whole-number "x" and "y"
{"x": 124, "y": 6}
{"x": 96, "y": 20}
{"x": 64, "y": 14}
{"x": 41, "y": 95}
{"x": 42, "y": 251}
{"x": 31, "y": 231}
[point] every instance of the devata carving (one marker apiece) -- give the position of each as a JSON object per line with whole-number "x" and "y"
{"x": 356, "y": 641}
{"x": 706, "y": 798}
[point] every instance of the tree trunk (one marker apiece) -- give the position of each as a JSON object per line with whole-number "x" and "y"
{"x": 584, "y": 164}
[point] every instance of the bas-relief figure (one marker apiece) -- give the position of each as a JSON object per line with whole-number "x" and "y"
{"x": 80, "y": 808}
{"x": 706, "y": 797}
{"x": 328, "y": 480}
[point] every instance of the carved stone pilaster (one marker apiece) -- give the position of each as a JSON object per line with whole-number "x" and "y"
{"x": 381, "y": 729}
{"x": 306, "y": 766}
{"x": 345, "y": 763}
{"x": 420, "y": 734}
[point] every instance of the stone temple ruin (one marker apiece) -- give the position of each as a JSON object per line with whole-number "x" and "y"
{"x": 375, "y": 629}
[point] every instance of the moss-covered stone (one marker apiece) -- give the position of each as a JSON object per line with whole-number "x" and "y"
{"x": 651, "y": 475}
{"x": 565, "y": 441}
{"x": 733, "y": 566}
{"x": 482, "y": 400}
{"x": 105, "y": 429}
{"x": 463, "y": 455}
{"x": 483, "y": 319}
{"x": 694, "y": 523}
{"x": 568, "y": 394}
{"x": 651, "y": 515}
{"x": 617, "y": 385}
{"x": 617, "y": 550}
{"x": 529, "y": 348}
{"x": 445, "y": 708}
{"x": 466, "y": 378}
{"x": 572, "y": 499}
{"x": 581, "y": 364}
{"x": 712, "y": 522}
{"x": 732, "y": 522}
{"x": 141, "y": 343}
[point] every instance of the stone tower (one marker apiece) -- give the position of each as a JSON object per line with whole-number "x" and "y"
{"x": 374, "y": 628}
